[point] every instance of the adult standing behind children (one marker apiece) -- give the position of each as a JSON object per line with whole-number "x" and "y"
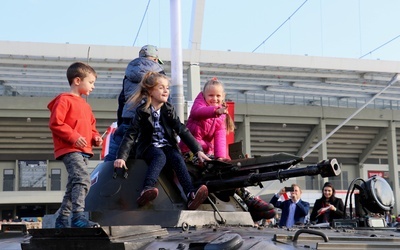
{"x": 209, "y": 122}
{"x": 294, "y": 210}
{"x": 148, "y": 60}
{"x": 328, "y": 207}
{"x": 153, "y": 131}
{"x": 73, "y": 127}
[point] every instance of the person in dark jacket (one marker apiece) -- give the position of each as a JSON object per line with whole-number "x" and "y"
{"x": 148, "y": 60}
{"x": 328, "y": 207}
{"x": 294, "y": 210}
{"x": 153, "y": 133}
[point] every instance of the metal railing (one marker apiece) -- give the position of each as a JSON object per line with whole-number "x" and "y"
{"x": 272, "y": 99}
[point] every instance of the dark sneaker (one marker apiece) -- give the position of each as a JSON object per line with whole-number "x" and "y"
{"x": 148, "y": 194}
{"x": 62, "y": 221}
{"x": 196, "y": 199}
{"x": 80, "y": 221}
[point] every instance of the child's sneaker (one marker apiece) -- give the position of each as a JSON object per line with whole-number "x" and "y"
{"x": 79, "y": 220}
{"x": 259, "y": 209}
{"x": 196, "y": 199}
{"x": 148, "y": 194}
{"x": 62, "y": 221}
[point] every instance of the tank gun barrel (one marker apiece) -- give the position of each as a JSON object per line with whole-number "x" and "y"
{"x": 324, "y": 168}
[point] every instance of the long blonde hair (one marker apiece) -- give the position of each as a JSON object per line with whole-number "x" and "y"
{"x": 149, "y": 81}
{"x": 229, "y": 124}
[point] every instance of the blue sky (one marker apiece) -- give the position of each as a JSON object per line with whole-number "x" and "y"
{"x": 332, "y": 28}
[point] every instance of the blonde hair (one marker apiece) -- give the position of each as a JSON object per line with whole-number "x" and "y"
{"x": 229, "y": 124}
{"x": 149, "y": 81}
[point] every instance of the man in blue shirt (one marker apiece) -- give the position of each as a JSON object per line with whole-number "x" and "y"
{"x": 294, "y": 210}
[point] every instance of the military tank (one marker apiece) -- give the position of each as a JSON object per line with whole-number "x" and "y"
{"x": 221, "y": 222}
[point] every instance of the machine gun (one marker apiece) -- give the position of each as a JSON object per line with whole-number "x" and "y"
{"x": 226, "y": 175}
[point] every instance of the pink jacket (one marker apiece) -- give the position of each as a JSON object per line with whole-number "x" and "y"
{"x": 208, "y": 128}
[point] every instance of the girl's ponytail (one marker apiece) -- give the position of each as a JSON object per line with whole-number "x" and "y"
{"x": 229, "y": 123}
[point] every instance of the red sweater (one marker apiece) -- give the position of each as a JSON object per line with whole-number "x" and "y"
{"x": 71, "y": 117}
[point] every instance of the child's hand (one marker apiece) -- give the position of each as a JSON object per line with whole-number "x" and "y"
{"x": 119, "y": 163}
{"x": 222, "y": 110}
{"x": 81, "y": 142}
{"x": 202, "y": 156}
{"x": 98, "y": 141}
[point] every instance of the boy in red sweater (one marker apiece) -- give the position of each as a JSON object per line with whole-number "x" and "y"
{"x": 73, "y": 127}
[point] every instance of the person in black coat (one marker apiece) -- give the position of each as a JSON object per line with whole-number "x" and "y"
{"x": 152, "y": 133}
{"x": 148, "y": 60}
{"x": 328, "y": 207}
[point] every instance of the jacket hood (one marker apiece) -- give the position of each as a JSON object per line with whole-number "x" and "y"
{"x": 52, "y": 102}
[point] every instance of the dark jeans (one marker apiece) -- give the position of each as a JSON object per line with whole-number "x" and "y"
{"x": 158, "y": 158}
{"x": 78, "y": 184}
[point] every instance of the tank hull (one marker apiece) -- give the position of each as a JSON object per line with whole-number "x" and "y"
{"x": 212, "y": 237}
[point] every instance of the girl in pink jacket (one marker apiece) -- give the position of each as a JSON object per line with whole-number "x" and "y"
{"x": 209, "y": 122}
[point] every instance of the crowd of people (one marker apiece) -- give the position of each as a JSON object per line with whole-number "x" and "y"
{"x": 147, "y": 129}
